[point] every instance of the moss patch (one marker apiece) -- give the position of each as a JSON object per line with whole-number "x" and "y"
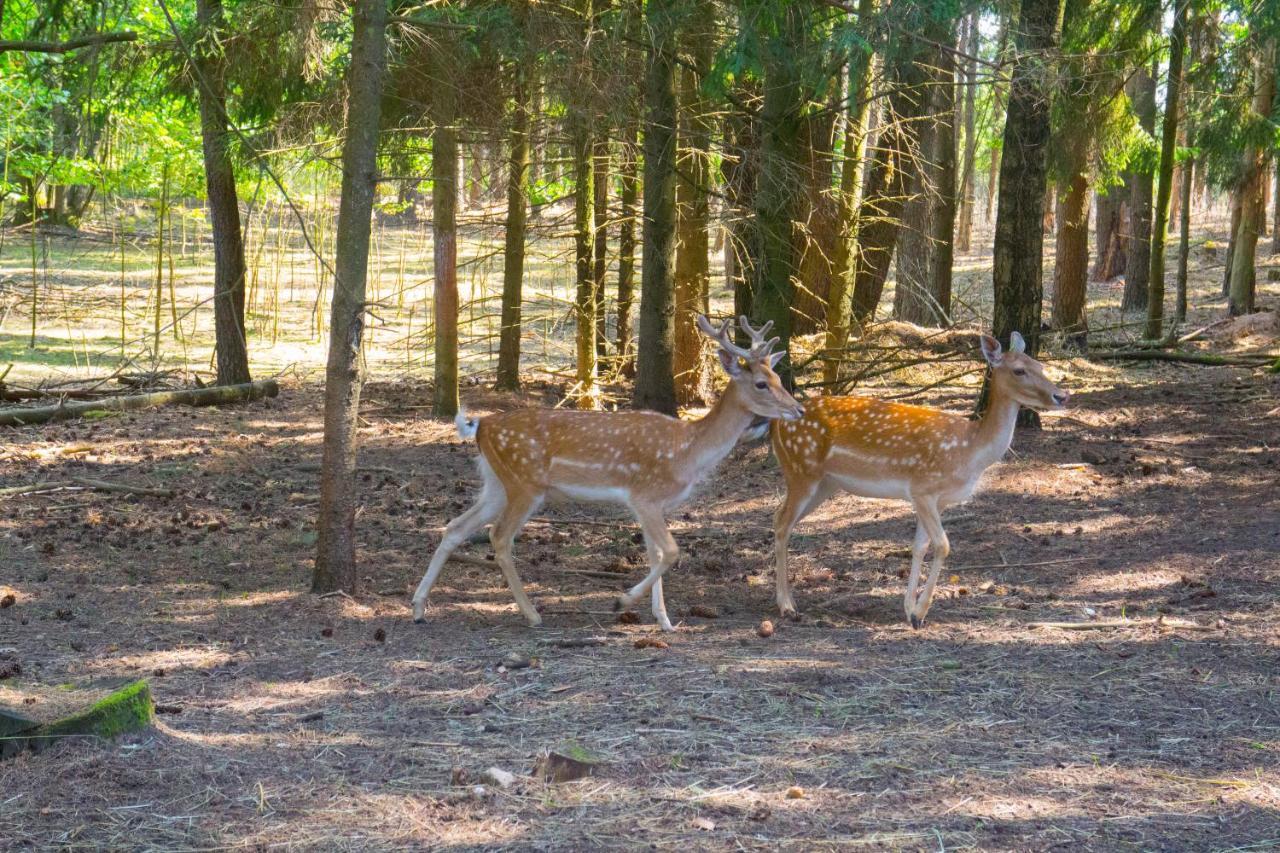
{"x": 128, "y": 709}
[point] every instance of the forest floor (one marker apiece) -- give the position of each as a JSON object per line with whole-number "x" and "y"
{"x": 294, "y": 720}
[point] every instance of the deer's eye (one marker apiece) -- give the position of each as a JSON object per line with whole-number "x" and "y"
{"x": 1019, "y": 372}
{"x": 762, "y": 385}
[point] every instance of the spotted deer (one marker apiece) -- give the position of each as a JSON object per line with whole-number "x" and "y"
{"x": 645, "y": 461}
{"x": 878, "y": 449}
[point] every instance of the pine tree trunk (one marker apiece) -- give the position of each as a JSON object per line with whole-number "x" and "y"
{"x": 1142, "y": 92}
{"x": 513, "y": 254}
{"x": 600, "y": 241}
{"x": 1234, "y": 203}
{"x": 880, "y": 213}
{"x": 815, "y": 239}
{"x": 335, "y": 567}
{"x": 692, "y": 271}
{"x": 655, "y": 385}
{"x": 229, "y": 268}
{"x": 1169, "y": 138}
{"x": 1243, "y": 275}
{"x": 1018, "y": 253}
{"x": 444, "y": 217}
{"x": 741, "y": 173}
{"x": 968, "y": 198}
{"x": 781, "y": 178}
{"x": 1112, "y": 230}
{"x": 1071, "y": 269}
{"x": 998, "y": 105}
{"x": 628, "y": 177}
{"x": 1184, "y": 230}
{"x": 1275, "y": 210}
{"x": 584, "y": 266}
{"x": 858, "y": 100}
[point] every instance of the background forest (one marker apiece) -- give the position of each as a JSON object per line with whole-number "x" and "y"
{"x": 390, "y": 208}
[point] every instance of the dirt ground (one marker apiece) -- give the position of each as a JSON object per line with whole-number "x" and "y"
{"x": 331, "y": 723}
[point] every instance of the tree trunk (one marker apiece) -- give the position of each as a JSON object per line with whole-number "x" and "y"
{"x": 584, "y": 267}
{"x": 692, "y": 271}
{"x": 1243, "y": 275}
{"x": 1113, "y": 234}
{"x": 628, "y": 176}
{"x": 1071, "y": 269}
{"x": 335, "y": 567}
{"x": 655, "y": 385}
{"x": 880, "y": 213}
{"x": 1234, "y": 202}
{"x": 1168, "y": 141}
{"x": 741, "y": 173}
{"x": 1142, "y": 92}
{"x": 781, "y": 171}
{"x": 922, "y": 294}
{"x": 858, "y": 100}
{"x": 998, "y": 105}
{"x": 600, "y": 241}
{"x": 968, "y": 198}
{"x": 231, "y": 348}
{"x": 1184, "y": 229}
{"x": 444, "y": 201}
{"x": 816, "y": 234}
{"x": 513, "y": 254}
{"x": 1018, "y": 251}
{"x": 1275, "y": 210}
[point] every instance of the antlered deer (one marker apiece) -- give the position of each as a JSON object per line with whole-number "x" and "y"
{"x": 878, "y": 449}
{"x": 646, "y": 461}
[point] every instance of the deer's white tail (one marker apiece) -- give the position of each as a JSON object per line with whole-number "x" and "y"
{"x": 466, "y": 426}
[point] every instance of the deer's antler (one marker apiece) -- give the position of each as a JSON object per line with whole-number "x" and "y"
{"x": 721, "y": 337}
{"x": 760, "y": 348}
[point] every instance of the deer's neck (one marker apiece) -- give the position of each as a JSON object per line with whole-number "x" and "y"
{"x": 715, "y": 434}
{"x": 993, "y": 432}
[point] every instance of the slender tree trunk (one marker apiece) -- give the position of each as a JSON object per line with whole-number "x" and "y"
{"x": 998, "y": 104}
{"x": 655, "y": 385}
{"x": 858, "y": 100}
{"x": 444, "y": 200}
{"x": 335, "y": 567}
{"x": 1184, "y": 229}
{"x": 781, "y": 183}
{"x": 692, "y": 272}
{"x": 584, "y": 254}
{"x": 1251, "y": 190}
{"x": 224, "y": 207}
{"x": 816, "y": 217}
{"x": 1168, "y": 141}
{"x": 741, "y": 172}
{"x": 1142, "y": 91}
{"x": 1071, "y": 268}
{"x": 628, "y": 176}
{"x": 600, "y": 241}
{"x": 1234, "y": 203}
{"x": 513, "y": 254}
{"x": 1275, "y": 209}
{"x": 968, "y": 198}
{"x": 1018, "y": 253}
{"x": 880, "y": 212}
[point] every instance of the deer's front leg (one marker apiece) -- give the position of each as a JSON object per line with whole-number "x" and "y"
{"x": 930, "y": 517}
{"x": 918, "y": 549}
{"x": 663, "y": 554}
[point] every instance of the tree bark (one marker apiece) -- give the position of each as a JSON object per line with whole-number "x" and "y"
{"x": 584, "y": 266}
{"x": 628, "y": 176}
{"x": 692, "y": 271}
{"x": 444, "y": 201}
{"x": 1071, "y": 270}
{"x": 1168, "y": 143}
{"x": 600, "y": 241}
{"x": 1275, "y": 209}
{"x": 513, "y": 254}
{"x": 998, "y": 104}
{"x": 1184, "y": 229}
{"x": 1142, "y": 92}
{"x": 1113, "y": 234}
{"x": 655, "y": 385}
{"x": 1018, "y": 251}
{"x": 968, "y": 198}
{"x": 335, "y": 567}
{"x": 741, "y": 173}
{"x": 781, "y": 183}
{"x": 880, "y": 212}
{"x": 858, "y": 100}
{"x": 1243, "y": 275}
{"x": 229, "y": 268}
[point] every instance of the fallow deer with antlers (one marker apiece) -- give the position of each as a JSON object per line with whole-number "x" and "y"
{"x": 879, "y": 449}
{"x": 645, "y": 461}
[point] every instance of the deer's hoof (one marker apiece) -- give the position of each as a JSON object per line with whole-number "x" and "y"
{"x": 916, "y": 622}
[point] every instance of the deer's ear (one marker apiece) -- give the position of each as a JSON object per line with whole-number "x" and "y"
{"x": 992, "y": 351}
{"x": 1016, "y": 343}
{"x": 729, "y": 362}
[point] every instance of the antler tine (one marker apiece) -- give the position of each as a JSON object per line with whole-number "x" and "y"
{"x": 721, "y": 336}
{"x": 759, "y": 346}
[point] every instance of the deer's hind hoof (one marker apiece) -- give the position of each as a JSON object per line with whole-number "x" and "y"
{"x": 916, "y": 622}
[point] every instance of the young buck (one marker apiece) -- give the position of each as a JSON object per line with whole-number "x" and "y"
{"x": 645, "y": 461}
{"x": 877, "y": 449}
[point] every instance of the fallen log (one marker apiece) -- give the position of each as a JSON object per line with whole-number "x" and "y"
{"x": 1210, "y": 359}
{"x": 212, "y": 396}
{"x": 126, "y": 710}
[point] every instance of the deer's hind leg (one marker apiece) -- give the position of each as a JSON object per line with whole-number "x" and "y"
{"x": 514, "y": 515}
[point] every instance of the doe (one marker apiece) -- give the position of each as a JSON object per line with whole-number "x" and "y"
{"x": 645, "y": 461}
{"x": 878, "y": 449}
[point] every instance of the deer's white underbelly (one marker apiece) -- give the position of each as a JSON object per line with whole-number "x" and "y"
{"x": 873, "y": 488}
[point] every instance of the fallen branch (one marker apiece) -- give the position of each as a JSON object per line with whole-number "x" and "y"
{"x": 211, "y": 396}
{"x": 1209, "y": 359}
{"x": 88, "y": 483}
{"x": 1108, "y": 624}
{"x": 29, "y": 46}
